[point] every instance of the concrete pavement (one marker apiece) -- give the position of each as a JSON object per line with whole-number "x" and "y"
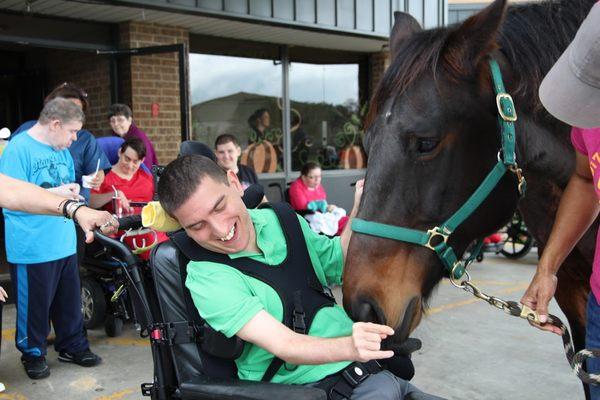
{"x": 470, "y": 351}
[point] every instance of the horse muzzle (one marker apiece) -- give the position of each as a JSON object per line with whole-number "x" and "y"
{"x": 367, "y": 310}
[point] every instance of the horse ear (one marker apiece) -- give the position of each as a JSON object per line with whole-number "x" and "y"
{"x": 475, "y": 38}
{"x": 404, "y": 26}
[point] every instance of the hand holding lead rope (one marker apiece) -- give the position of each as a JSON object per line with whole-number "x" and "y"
{"x": 513, "y": 308}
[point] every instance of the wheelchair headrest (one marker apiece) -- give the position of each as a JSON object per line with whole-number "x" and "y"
{"x": 192, "y": 147}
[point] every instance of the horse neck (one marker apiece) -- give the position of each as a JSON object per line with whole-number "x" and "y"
{"x": 544, "y": 149}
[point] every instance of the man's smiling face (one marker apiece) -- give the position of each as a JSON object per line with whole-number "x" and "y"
{"x": 216, "y": 218}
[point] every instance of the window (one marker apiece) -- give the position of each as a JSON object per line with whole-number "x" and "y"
{"x": 239, "y": 96}
{"x": 326, "y": 116}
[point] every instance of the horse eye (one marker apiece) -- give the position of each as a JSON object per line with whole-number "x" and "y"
{"x": 426, "y": 145}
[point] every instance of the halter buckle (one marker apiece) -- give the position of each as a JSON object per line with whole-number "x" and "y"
{"x": 433, "y": 233}
{"x": 511, "y": 113}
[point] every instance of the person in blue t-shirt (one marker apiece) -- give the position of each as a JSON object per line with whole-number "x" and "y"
{"x": 85, "y": 150}
{"x": 41, "y": 250}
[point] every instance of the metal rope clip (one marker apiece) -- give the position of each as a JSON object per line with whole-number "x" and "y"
{"x": 530, "y": 315}
{"x": 520, "y": 179}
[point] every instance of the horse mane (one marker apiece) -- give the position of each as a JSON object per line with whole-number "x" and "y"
{"x": 532, "y": 38}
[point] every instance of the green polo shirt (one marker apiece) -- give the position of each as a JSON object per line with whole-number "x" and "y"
{"x": 227, "y": 299}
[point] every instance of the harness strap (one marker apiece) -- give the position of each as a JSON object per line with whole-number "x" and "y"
{"x": 341, "y": 385}
{"x": 294, "y": 280}
{"x": 506, "y": 114}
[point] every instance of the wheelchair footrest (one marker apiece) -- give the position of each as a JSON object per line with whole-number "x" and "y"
{"x": 147, "y": 389}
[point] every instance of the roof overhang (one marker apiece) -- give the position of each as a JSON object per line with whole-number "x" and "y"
{"x": 200, "y": 23}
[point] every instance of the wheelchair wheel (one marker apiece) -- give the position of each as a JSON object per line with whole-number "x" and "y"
{"x": 113, "y": 326}
{"x": 93, "y": 303}
{"x": 519, "y": 241}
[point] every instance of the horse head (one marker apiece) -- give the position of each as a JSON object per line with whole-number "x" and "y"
{"x": 432, "y": 138}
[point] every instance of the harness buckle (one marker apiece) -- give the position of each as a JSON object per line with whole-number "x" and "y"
{"x": 434, "y": 233}
{"x": 354, "y": 374}
{"x": 298, "y": 323}
{"x": 511, "y": 114}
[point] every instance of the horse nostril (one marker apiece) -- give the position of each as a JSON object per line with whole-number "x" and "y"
{"x": 365, "y": 312}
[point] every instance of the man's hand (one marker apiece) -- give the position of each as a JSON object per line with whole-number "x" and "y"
{"x": 358, "y": 191}
{"x": 3, "y": 295}
{"x": 68, "y": 190}
{"x": 366, "y": 339}
{"x": 538, "y": 296}
{"x": 90, "y": 219}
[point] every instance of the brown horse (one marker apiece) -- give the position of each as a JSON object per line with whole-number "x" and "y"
{"x": 432, "y": 138}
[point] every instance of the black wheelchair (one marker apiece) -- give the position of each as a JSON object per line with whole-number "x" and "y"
{"x": 184, "y": 364}
{"x": 105, "y": 294}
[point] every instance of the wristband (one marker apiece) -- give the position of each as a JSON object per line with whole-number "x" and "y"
{"x": 65, "y": 207}
{"x": 72, "y": 207}
{"x": 79, "y": 205}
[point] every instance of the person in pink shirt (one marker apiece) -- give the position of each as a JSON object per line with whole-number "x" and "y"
{"x": 120, "y": 118}
{"x": 571, "y": 92}
{"x": 307, "y": 193}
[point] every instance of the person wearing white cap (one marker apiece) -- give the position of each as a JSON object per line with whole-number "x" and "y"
{"x": 571, "y": 93}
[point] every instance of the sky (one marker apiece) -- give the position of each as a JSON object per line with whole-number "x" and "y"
{"x": 217, "y": 76}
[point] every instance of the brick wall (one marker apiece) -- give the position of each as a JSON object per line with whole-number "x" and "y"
{"x": 379, "y": 63}
{"x": 89, "y": 71}
{"x": 152, "y": 79}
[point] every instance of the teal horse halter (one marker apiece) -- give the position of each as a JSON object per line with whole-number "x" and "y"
{"x": 436, "y": 239}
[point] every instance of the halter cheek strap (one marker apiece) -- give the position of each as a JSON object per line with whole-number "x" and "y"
{"x": 436, "y": 239}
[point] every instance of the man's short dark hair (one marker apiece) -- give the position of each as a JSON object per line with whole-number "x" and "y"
{"x": 226, "y": 138}
{"x": 136, "y": 144}
{"x": 68, "y": 90}
{"x": 181, "y": 178}
{"x": 120, "y": 109}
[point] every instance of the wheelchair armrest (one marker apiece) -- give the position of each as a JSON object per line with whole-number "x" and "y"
{"x": 204, "y": 388}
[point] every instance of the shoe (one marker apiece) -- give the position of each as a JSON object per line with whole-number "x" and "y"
{"x": 84, "y": 358}
{"x": 36, "y": 367}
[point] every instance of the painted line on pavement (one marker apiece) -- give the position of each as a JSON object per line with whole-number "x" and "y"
{"x": 449, "y": 306}
{"x": 118, "y": 395}
{"x": 12, "y": 396}
{"x": 120, "y": 341}
{"x": 485, "y": 282}
{"x": 8, "y": 334}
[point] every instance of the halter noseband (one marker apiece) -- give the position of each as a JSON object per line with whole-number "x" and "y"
{"x": 436, "y": 239}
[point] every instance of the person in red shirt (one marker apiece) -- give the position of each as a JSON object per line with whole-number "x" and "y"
{"x": 131, "y": 183}
{"x": 307, "y": 193}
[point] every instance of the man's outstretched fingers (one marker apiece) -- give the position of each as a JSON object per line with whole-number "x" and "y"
{"x": 380, "y": 355}
{"x": 376, "y": 328}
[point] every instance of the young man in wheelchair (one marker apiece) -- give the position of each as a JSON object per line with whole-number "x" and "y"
{"x": 328, "y": 350}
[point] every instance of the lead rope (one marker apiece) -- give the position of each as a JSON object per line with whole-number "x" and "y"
{"x": 515, "y": 309}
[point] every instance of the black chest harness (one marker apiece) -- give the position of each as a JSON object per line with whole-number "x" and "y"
{"x": 294, "y": 280}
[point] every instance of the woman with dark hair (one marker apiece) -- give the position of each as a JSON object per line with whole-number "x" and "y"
{"x": 127, "y": 179}
{"x": 88, "y": 157}
{"x": 259, "y": 121}
{"x": 120, "y": 117}
{"x": 307, "y": 193}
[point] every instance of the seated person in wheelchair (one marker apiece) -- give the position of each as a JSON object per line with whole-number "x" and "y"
{"x": 131, "y": 187}
{"x": 307, "y": 193}
{"x": 319, "y": 351}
